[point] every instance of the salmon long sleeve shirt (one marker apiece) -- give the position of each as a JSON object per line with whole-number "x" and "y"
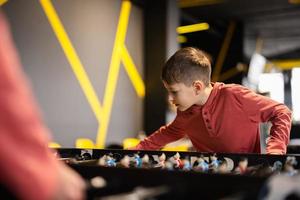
{"x": 28, "y": 168}
{"x": 228, "y": 122}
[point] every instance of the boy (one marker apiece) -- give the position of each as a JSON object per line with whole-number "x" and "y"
{"x": 217, "y": 117}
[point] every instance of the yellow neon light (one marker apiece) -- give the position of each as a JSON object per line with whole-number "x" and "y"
{"x": 192, "y": 28}
{"x": 181, "y": 39}
{"x": 232, "y": 72}
{"x": 3, "y": 2}
{"x": 194, "y": 3}
{"x": 223, "y": 52}
{"x": 119, "y": 54}
{"x": 294, "y": 1}
{"x": 73, "y": 59}
{"x": 133, "y": 73}
{"x": 286, "y": 64}
{"x": 113, "y": 71}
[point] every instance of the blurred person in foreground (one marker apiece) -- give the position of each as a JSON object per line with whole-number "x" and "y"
{"x": 29, "y": 169}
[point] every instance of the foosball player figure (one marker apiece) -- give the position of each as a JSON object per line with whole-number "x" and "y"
{"x": 110, "y": 161}
{"x": 138, "y": 161}
{"x": 125, "y": 162}
{"x": 223, "y": 167}
{"x": 178, "y": 162}
{"x": 161, "y": 161}
{"x": 102, "y": 160}
{"x": 289, "y": 166}
{"x": 262, "y": 170}
{"x": 169, "y": 165}
{"x": 214, "y": 163}
{"x": 242, "y": 166}
{"x": 186, "y": 164}
{"x": 201, "y": 165}
{"x": 277, "y": 167}
{"x": 145, "y": 161}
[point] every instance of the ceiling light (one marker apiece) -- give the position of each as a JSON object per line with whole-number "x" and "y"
{"x": 192, "y": 28}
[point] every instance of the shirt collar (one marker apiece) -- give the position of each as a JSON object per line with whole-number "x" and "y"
{"x": 195, "y": 108}
{"x": 214, "y": 92}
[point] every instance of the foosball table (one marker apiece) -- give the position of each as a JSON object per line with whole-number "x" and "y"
{"x": 129, "y": 174}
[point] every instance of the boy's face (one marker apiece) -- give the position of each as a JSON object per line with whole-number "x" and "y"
{"x": 182, "y": 96}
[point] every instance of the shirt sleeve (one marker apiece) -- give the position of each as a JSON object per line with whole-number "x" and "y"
{"x": 164, "y": 135}
{"x": 263, "y": 109}
{"x": 28, "y": 168}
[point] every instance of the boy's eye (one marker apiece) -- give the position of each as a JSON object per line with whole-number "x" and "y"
{"x": 173, "y": 92}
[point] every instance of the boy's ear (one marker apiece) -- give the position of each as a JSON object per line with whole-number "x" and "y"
{"x": 199, "y": 86}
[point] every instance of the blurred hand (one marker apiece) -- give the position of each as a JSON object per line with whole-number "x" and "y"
{"x": 70, "y": 184}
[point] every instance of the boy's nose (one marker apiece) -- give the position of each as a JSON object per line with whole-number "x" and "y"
{"x": 171, "y": 99}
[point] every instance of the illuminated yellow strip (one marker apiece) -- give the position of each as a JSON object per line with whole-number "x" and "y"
{"x": 223, "y": 52}
{"x": 3, "y": 2}
{"x": 194, "y": 3}
{"x": 73, "y": 59}
{"x": 119, "y": 53}
{"x": 286, "y": 64}
{"x": 113, "y": 72}
{"x": 232, "y": 72}
{"x": 132, "y": 72}
{"x": 181, "y": 39}
{"x": 294, "y": 1}
{"x": 192, "y": 28}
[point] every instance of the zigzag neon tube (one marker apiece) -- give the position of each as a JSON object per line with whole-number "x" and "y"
{"x": 113, "y": 71}
{"x": 73, "y": 59}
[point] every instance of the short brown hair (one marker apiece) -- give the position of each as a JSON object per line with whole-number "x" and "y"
{"x": 186, "y": 66}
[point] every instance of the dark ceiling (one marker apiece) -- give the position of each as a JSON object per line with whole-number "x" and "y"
{"x": 240, "y": 9}
{"x": 276, "y": 22}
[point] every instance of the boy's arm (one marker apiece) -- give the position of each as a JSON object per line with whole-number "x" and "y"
{"x": 263, "y": 109}
{"x": 280, "y": 130}
{"x": 162, "y": 136}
